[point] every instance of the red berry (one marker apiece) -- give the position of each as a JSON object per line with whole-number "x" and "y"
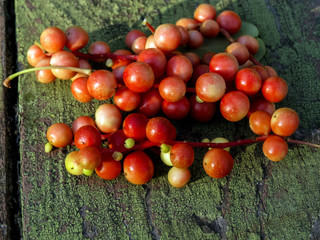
{"x": 284, "y": 122}
{"x": 229, "y": 21}
{"x": 224, "y": 64}
{"x": 138, "y": 168}
{"x": 275, "y": 148}
{"x": 274, "y": 89}
{"x": 217, "y": 163}
{"x": 234, "y": 106}
{"x": 102, "y": 84}
{"x": 109, "y": 168}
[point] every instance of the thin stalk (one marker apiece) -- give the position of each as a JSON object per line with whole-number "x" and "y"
{"x": 6, "y": 82}
{"x": 148, "y": 25}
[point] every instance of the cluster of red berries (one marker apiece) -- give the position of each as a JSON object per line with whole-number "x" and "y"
{"x": 154, "y": 76}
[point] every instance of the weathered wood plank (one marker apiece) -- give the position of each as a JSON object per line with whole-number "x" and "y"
{"x": 259, "y": 200}
{"x": 9, "y": 158}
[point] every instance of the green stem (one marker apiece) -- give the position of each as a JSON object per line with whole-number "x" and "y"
{"x": 6, "y": 82}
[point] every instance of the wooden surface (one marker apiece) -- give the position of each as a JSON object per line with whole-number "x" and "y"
{"x": 258, "y": 200}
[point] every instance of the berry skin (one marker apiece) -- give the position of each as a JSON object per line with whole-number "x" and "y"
{"x": 217, "y": 163}
{"x": 80, "y": 91}
{"x": 201, "y": 112}
{"x": 89, "y": 157}
{"x": 284, "y": 122}
{"x": 59, "y": 135}
{"x": 108, "y": 118}
{"x": 138, "y": 77}
{"x": 248, "y": 81}
{"x": 234, "y": 106}
{"x": 77, "y": 38}
{"x": 176, "y": 110}
{"x": 275, "y": 148}
{"x": 81, "y": 121}
{"x": 86, "y": 136}
{"x": 172, "y": 89}
{"x": 126, "y": 100}
{"x": 210, "y": 87}
{"x": 109, "y": 168}
{"x": 230, "y": 21}
{"x": 274, "y": 89}
{"x": 138, "y": 168}
{"x": 167, "y": 37}
{"x": 180, "y": 66}
{"x": 259, "y": 122}
{"x": 182, "y": 155}
{"x": 102, "y": 84}
{"x": 64, "y": 59}
{"x": 204, "y": 12}
{"x": 53, "y": 39}
{"x": 179, "y": 177}
{"x": 34, "y": 55}
{"x": 72, "y": 164}
{"x": 134, "y": 126}
{"x": 160, "y": 130}
{"x": 224, "y": 64}
{"x": 46, "y": 75}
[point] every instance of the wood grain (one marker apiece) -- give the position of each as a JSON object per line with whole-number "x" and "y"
{"x": 259, "y": 200}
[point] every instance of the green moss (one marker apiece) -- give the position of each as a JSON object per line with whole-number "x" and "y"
{"x": 260, "y": 199}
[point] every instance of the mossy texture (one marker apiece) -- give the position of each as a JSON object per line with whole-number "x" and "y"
{"x": 258, "y": 200}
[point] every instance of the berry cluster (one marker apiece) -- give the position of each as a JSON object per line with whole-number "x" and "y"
{"x": 161, "y": 75}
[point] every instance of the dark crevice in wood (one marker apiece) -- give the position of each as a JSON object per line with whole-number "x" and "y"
{"x": 155, "y": 232}
{"x": 10, "y": 119}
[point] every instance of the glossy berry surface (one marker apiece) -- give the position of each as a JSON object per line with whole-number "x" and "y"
{"x": 217, "y": 163}
{"x": 138, "y": 168}
{"x": 275, "y": 148}
{"x": 284, "y": 121}
{"x": 234, "y": 106}
{"x": 109, "y": 168}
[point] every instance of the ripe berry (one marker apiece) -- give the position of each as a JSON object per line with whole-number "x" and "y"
{"x": 182, "y": 155}
{"x": 86, "y": 136}
{"x": 99, "y": 47}
{"x": 217, "y": 163}
{"x": 172, "y": 89}
{"x": 134, "y": 126}
{"x": 234, "y": 106}
{"x": 77, "y": 38}
{"x": 59, "y": 135}
{"x": 132, "y": 36}
{"x": 240, "y": 51}
{"x": 138, "y": 168}
{"x": 102, "y": 84}
{"x": 167, "y": 37}
{"x": 150, "y": 104}
{"x": 179, "y": 177}
{"x": 180, "y": 66}
{"x": 34, "y": 55}
{"x": 259, "y": 122}
{"x": 109, "y": 168}
{"x": 204, "y": 12}
{"x": 201, "y": 112}
{"x": 250, "y": 42}
{"x": 126, "y": 100}
{"x": 81, "y": 121}
{"x": 224, "y": 64}
{"x": 64, "y": 59}
{"x": 275, "y": 148}
{"x": 210, "y": 87}
{"x": 229, "y": 21}
{"x": 108, "y": 118}
{"x": 53, "y": 39}
{"x": 89, "y": 157}
{"x": 80, "y": 91}
{"x": 160, "y": 130}
{"x": 45, "y": 75}
{"x": 176, "y": 110}
{"x": 188, "y": 23}
{"x": 248, "y": 81}
{"x": 274, "y": 89}
{"x": 284, "y": 122}
{"x": 138, "y": 77}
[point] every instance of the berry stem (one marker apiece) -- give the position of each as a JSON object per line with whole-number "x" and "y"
{"x": 149, "y": 26}
{"x": 104, "y": 56}
{"x": 6, "y": 82}
{"x": 227, "y": 35}
{"x": 289, "y": 140}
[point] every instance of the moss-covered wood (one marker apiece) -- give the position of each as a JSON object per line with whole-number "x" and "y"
{"x": 259, "y": 200}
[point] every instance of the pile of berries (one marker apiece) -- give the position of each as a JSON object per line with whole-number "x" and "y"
{"x": 159, "y": 78}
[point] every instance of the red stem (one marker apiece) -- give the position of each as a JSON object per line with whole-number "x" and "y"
{"x": 104, "y": 56}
